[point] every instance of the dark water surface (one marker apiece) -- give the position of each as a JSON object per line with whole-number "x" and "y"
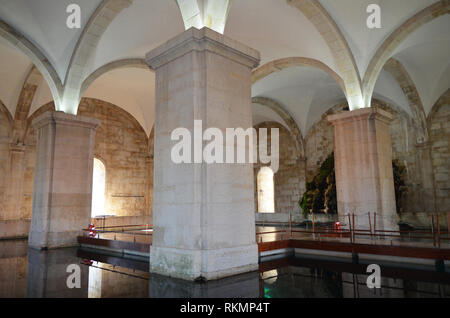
{"x": 29, "y": 273}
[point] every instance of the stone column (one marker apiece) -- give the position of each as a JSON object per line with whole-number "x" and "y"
{"x": 63, "y": 179}
{"x": 203, "y": 214}
{"x": 149, "y": 186}
{"x": 363, "y": 165}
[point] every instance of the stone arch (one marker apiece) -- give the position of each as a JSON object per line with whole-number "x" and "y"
{"x": 278, "y": 65}
{"x": 26, "y": 97}
{"x": 151, "y": 143}
{"x": 8, "y": 116}
{"x": 292, "y": 125}
{"x": 439, "y": 130}
{"x": 89, "y": 104}
{"x": 125, "y": 63}
{"x": 339, "y": 47}
{"x": 445, "y": 98}
{"x": 394, "y": 40}
{"x": 6, "y": 123}
{"x": 397, "y": 70}
{"x": 99, "y": 21}
{"x": 20, "y": 42}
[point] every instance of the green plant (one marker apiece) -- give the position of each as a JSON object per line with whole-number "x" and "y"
{"x": 399, "y": 183}
{"x": 321, "y": 195}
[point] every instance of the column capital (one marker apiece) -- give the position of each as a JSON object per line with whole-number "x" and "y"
{"x": 204, "y": 39}
{"x": 361, "y": 114}
{"x": 59, "y": 117}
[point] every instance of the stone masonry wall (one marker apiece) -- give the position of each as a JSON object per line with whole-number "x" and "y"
{"x": 121, "y": 144}
{"x": 5, "y": 132}
{"x": 439, "y": 130}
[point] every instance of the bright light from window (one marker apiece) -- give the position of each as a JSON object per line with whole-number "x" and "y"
{"x": 205, "y": 13}
{"x": 266, "y": 196}
{"x": 98, "y": 189}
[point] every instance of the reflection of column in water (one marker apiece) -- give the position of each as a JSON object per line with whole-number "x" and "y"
{"x": 95, "y": 280}
{"x": 426, "y": 289}
{"x": 304, "y": 282}
{"x": 270, "y": 277}
{"x": 117, "y": 281}
{"x": 240, "y": 286}
{"x": 47, "y": 274}
{"x": 355, "y": 286}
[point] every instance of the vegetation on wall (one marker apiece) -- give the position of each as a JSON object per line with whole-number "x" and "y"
{"x": 321, "y": 196}
{"x": 399, "y": 183}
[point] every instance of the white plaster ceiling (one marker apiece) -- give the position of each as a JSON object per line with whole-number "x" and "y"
{"x": 426, "y": 56}
{"x": 273, "y": 27}
{"x": 137, "y": 30}
{"x": 388, "y": 90}
{"x": 44, "y": 24}
{"x": 14, "y": 67}
{"x": 305, "y": 92}
{"x": 133, "y": 87}
{"x": 277, "y": 30}
{"x": 351, "y": 17}
{"x": 262, "y": 113}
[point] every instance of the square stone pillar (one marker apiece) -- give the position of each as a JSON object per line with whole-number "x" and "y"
{"x": 363, "y": 165}
{"x": 62, "y": 191}
{"x": 203, "y": 214}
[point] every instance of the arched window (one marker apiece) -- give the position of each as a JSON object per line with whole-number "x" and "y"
{"x": 266, "y": 193}
{"x": 98, "y": 189}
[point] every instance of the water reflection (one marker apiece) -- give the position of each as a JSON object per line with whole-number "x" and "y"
{"x": 13, "y": 265}
{"x": 47, "y": 274}
{"x": 240, "y": 286}
{"x": 30, "y": 273}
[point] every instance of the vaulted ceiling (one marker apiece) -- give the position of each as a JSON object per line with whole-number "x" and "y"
{"x": 344, "y": 57}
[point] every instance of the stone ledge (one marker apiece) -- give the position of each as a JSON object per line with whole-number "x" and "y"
{"x": 59, "y": 117}
{"x": 202, "y": 40}
{"x": 361, "y": 114}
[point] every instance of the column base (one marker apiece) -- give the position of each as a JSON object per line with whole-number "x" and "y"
{"x": 203, "y": 264}
{"x": 47, "y": 241}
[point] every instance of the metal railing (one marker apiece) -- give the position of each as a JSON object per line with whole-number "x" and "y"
{"x": 350, "y": 229}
